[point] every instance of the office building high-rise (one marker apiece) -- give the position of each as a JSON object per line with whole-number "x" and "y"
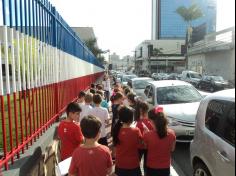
{"x": 167, "y": 24}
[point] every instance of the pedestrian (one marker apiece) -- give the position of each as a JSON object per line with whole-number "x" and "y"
{"x": 126, "y": 140}
{"x": 103, "y": 115}
{"x": 160, "y": 144}
{"x": 80, "y": 100}
{"x": 117, "y": 101}
{"x": 88, "y": 105}
{"x": 106, "y": 87}
{"x": 91, "y": 158}
{"x": 69, "y": 131}
{"x": 126, "y": 92}
{"x": 144, "y": 125}
{"x": 104, "y": 103}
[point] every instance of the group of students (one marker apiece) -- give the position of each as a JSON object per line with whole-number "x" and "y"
{"x": 136, "y": 131}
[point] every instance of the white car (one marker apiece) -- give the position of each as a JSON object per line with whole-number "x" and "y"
{"x": 180, "y": 101}
{"x": 213, "y": 147}
{"x": 125, "y": 78}
{"x": 138, "y": 85}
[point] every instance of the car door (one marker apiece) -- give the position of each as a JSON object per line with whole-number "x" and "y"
{"x": 221, "y": 151}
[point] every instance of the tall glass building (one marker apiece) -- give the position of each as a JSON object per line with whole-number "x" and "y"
{"x": 167, "y": 24}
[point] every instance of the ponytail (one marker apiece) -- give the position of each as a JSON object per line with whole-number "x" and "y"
{"x": 115, "y": 132}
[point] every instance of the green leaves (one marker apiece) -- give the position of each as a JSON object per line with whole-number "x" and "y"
{"x": 190, "y": 14}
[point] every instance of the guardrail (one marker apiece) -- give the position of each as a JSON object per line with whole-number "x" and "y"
{"x": 44, "y": 65}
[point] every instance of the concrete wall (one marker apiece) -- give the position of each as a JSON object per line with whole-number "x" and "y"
{"x": 215, "y": 63}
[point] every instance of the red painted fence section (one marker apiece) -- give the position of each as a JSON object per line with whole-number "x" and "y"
{"x": 26, "y": 115}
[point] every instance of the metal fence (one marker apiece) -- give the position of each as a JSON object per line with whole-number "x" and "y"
{"x": 43, "y": 66}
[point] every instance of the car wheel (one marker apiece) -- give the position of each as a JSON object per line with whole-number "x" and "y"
{"x": 200, "y": 169}
{"x": 212, "y": 89}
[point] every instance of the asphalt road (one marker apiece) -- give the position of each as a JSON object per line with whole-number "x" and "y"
{"x": 181, "y": 158}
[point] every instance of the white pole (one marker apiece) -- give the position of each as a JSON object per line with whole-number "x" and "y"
{"x": 1, "y": 80}
{"x": 6, "y": 59}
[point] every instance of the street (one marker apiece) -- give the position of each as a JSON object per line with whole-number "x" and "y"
{"x": 181, "y": 158}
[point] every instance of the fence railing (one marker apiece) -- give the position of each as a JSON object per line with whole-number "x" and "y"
{"x": 43, "y": 66}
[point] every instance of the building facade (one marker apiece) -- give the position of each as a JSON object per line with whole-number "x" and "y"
{"x": 215, "y": 55}
{"x": 158, "y": 56}
{"x": 167, "y": 24}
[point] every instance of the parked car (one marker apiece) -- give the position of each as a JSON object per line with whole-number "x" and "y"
{"x": 173, "y": 76}
{"x": 191, "y": 77}
{"x": 180, "y": 101}
{"x": 125, "y": 78}
{"x": 159, "y": 76}
{"x": 213, "y": 147}
{"x": 213, "y": 83}
{"x": 138, "y": 85}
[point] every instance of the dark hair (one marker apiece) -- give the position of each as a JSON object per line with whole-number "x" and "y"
{"x": 140, "y": 108}
{"x": 88, "y": 98}
{"x": 127, "y": 91}
{"x": 93, "y": 91}
{"x": 126, "y": 115}
{"x": 100, "y": 92}
{"x": 81, "y": 94}
{"x": 116, "y": 90}
{"x": 131, "y": 96}
{"x": 97, "y": 99}
{"x": 90, "y": 126}
{"x": 124, "y": 87}
{"x": 117, "y": 96}
{"x": 73, "y": 107}
{"x": 92, "y": 86}
{"x": 160, "y": 122}
{"x": 99, "y": 87}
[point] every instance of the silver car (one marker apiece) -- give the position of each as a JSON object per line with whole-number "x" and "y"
{"x": 213, "y": 147}
{"x": 180, "y": 101}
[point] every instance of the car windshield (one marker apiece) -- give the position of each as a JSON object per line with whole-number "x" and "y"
{"x": 141, "y": 84}
{"x": 177, "y": 95}
{"x": 195, "y": 75}
{"x": 218, "y": 78}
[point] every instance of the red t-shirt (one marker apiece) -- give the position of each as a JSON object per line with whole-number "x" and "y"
{"x": 71, "y": 136}
{"x": 127, "y": 156}
{"x": 91, "y": 161}
{"x": 159, "y": 150}
{"x": 142, "y": 124}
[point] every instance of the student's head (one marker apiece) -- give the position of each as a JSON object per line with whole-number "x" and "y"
{"x": 92, "y": 91}
{"x": 92, "y": 86}
{"x": 97, "y": 99}
{"x": 126, "y": 116}
{"x": 88, "y": 98}
{"x": 73, "y": 111}
{"x": 100, "y": 93}
{"x": 127, "y": 91}
{"x": 90, "y": 127}
{"x": 81, "y": 96}
{"x": 131, "y": 98}
{"x": 99, "y": 87}
{"x": 118, "y": 98}
{"x": 158, "y": 118}
{"x": 143, "y": 108}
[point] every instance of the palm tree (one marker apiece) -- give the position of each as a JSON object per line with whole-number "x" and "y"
{"x": 190, "y": 14}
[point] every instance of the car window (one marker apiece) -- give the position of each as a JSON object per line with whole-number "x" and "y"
{"x": 141, "y": 84}
{"x": 146, "y": 91}
{"x": 220, "y": 119}
{"x": 229, "y": 126}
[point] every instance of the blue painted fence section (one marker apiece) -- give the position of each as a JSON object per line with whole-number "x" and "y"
{"x": 39, "y": 19}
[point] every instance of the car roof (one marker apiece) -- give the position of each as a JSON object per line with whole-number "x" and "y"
{"x": 168, "y": 83}
{"x": 187, "y": 71}
{"x": 142, "y": 78}
{"x": 228, "y": 94}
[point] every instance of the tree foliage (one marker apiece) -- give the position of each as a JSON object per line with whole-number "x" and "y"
{"x": 190, "y": 14}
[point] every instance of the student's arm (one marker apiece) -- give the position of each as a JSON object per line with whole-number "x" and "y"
{"x": 107, "y": 117}
{"x": 174, "y": 142}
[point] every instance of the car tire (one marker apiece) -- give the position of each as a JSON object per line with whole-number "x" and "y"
{"x": 200, "y": 169}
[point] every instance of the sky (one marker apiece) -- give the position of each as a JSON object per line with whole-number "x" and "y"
{"x": 121, "y": 25}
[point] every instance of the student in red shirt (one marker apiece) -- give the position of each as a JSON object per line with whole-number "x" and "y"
{"x": 160, "y": 144}
{"x": 144, "y": 125}
{"x": 126, "y": 140}
{"x": 91, "y": 158}
{"x": 69, "y": 131}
